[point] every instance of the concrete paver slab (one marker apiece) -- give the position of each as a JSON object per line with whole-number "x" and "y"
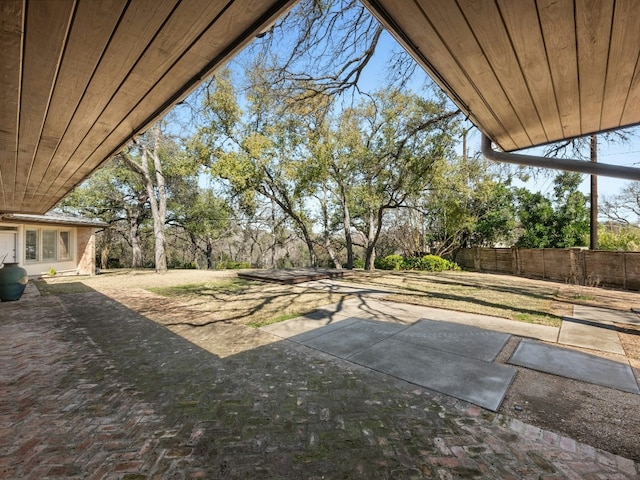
{"x": 545, "y": 333}
{"x": 576, "y": 365}
{"x": 456, "y": 338}
{"x": 384, "y": 310}
{"x": 584, "y": 334}
{"x": 449, "y": 358}
{"x": 344, "y": 342}
{"x": 365, "y": 308}
{"x": 605, "y": 315}
{"x": 482, "y": 383}
{"x": 306, "y": 325}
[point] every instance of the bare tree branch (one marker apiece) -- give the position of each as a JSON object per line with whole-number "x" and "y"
{"x": 335, "y": 42}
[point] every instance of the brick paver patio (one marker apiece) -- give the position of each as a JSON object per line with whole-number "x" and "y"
{"x": 91, "y": 389}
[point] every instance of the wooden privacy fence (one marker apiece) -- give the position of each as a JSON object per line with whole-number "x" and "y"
{"x": 573, "y": 265}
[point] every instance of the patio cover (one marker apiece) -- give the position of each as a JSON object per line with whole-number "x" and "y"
{"x": 81, "y": 78}
{"x": 527, "y": 72}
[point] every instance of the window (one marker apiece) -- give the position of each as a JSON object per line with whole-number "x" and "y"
{"x": 64, "y": 244}
{"x": 31, "y": 245}
{"x": 49, "y": 240}
{"x": 47, "y": 245}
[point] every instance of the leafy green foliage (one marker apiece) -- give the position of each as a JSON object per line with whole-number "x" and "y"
{"x": 289, "y": 150}
{"x": 120, "y": 193}
{"x": 234, "y": 286}
{"x": 561, "y": 221}
{"x": 468, "y": 205}
{"x": 427, "y": 263}
{"x": 257, "y": 152}
{"x": 205, "y": 219}
{"x": 431, "y": 263}
{"x": 390, "y": 262}
{"x": 229, "y": 265}
{"x": 619, "y": 237}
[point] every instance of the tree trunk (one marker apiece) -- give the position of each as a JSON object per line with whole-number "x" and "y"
{"x": 305, "y": 235}
{"x": 136, "y": 243}
{"x": 370, "y": 248}
{"x": 370, "y": 258}
{"x": 160, "y": 213}
{"x": 373, "y": 233}
{"x": 312, "y": 252}
{"x": 326, "y": 237}
{"x": 104, "y": 251}
{"x": 209, "y": 255}
{"x": 346, "y": 220}
{"x": 285, "y": 205}
{"x": 104, "y": 257}
{"x": 332, "y": 254}
{"x": 157, "y": 196}
{"x": 274, "y": 233}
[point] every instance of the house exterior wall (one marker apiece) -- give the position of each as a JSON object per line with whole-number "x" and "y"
{"x": 81, "y": 248}
{"x": 86, "y": 250}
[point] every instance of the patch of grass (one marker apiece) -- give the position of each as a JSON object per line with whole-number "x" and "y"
{"x": 248, "y": 302}
{"x": 66, "y": 288}
{"x": 551, "y": 320}
{"x": 279, "y": 318}
{"x": 225, "y": 287}
{"x": 583, "y": 297}
{"x": 473, "y": 293}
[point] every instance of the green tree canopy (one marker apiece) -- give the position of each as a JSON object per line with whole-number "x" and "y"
{"x": 561, "y": 221}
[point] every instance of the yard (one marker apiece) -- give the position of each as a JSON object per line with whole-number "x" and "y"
{"x": 208, "y": 296}
{"x": 206, "y": 307}
{"x": 256, "y": 303}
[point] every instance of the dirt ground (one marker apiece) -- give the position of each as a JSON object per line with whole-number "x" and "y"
{"x": 602, "y": 417}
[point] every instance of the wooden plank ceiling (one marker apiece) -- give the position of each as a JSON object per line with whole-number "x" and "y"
{"x": 527, "y": 72}
{"x": 79, "y": 78}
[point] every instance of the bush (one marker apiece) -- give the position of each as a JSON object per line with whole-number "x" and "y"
{"x": 433, "y": 263}
{"x": 358, "y": 263}
{"x": 390, "y": 262}
{"x": 177, "y": 264}
{"x": 230, "y": 265}
{"x": 427, "y": 263}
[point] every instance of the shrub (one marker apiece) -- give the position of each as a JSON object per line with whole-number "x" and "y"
{"x": 433, "y": 263}
{"x": 230, "y": 265}
{"x": 358, "y": 263}
{"x": 390, "y": 262}
{"x": 427, "y": 263}
{"x": 177, "y": 264}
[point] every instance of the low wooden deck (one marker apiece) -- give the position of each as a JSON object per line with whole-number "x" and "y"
{"x": 294, "y": 275}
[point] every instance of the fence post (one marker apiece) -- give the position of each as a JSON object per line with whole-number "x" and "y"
{"x": 514, "y": 260}
{"x": 574, "y": 270}
{"x": 476, "y": 259}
